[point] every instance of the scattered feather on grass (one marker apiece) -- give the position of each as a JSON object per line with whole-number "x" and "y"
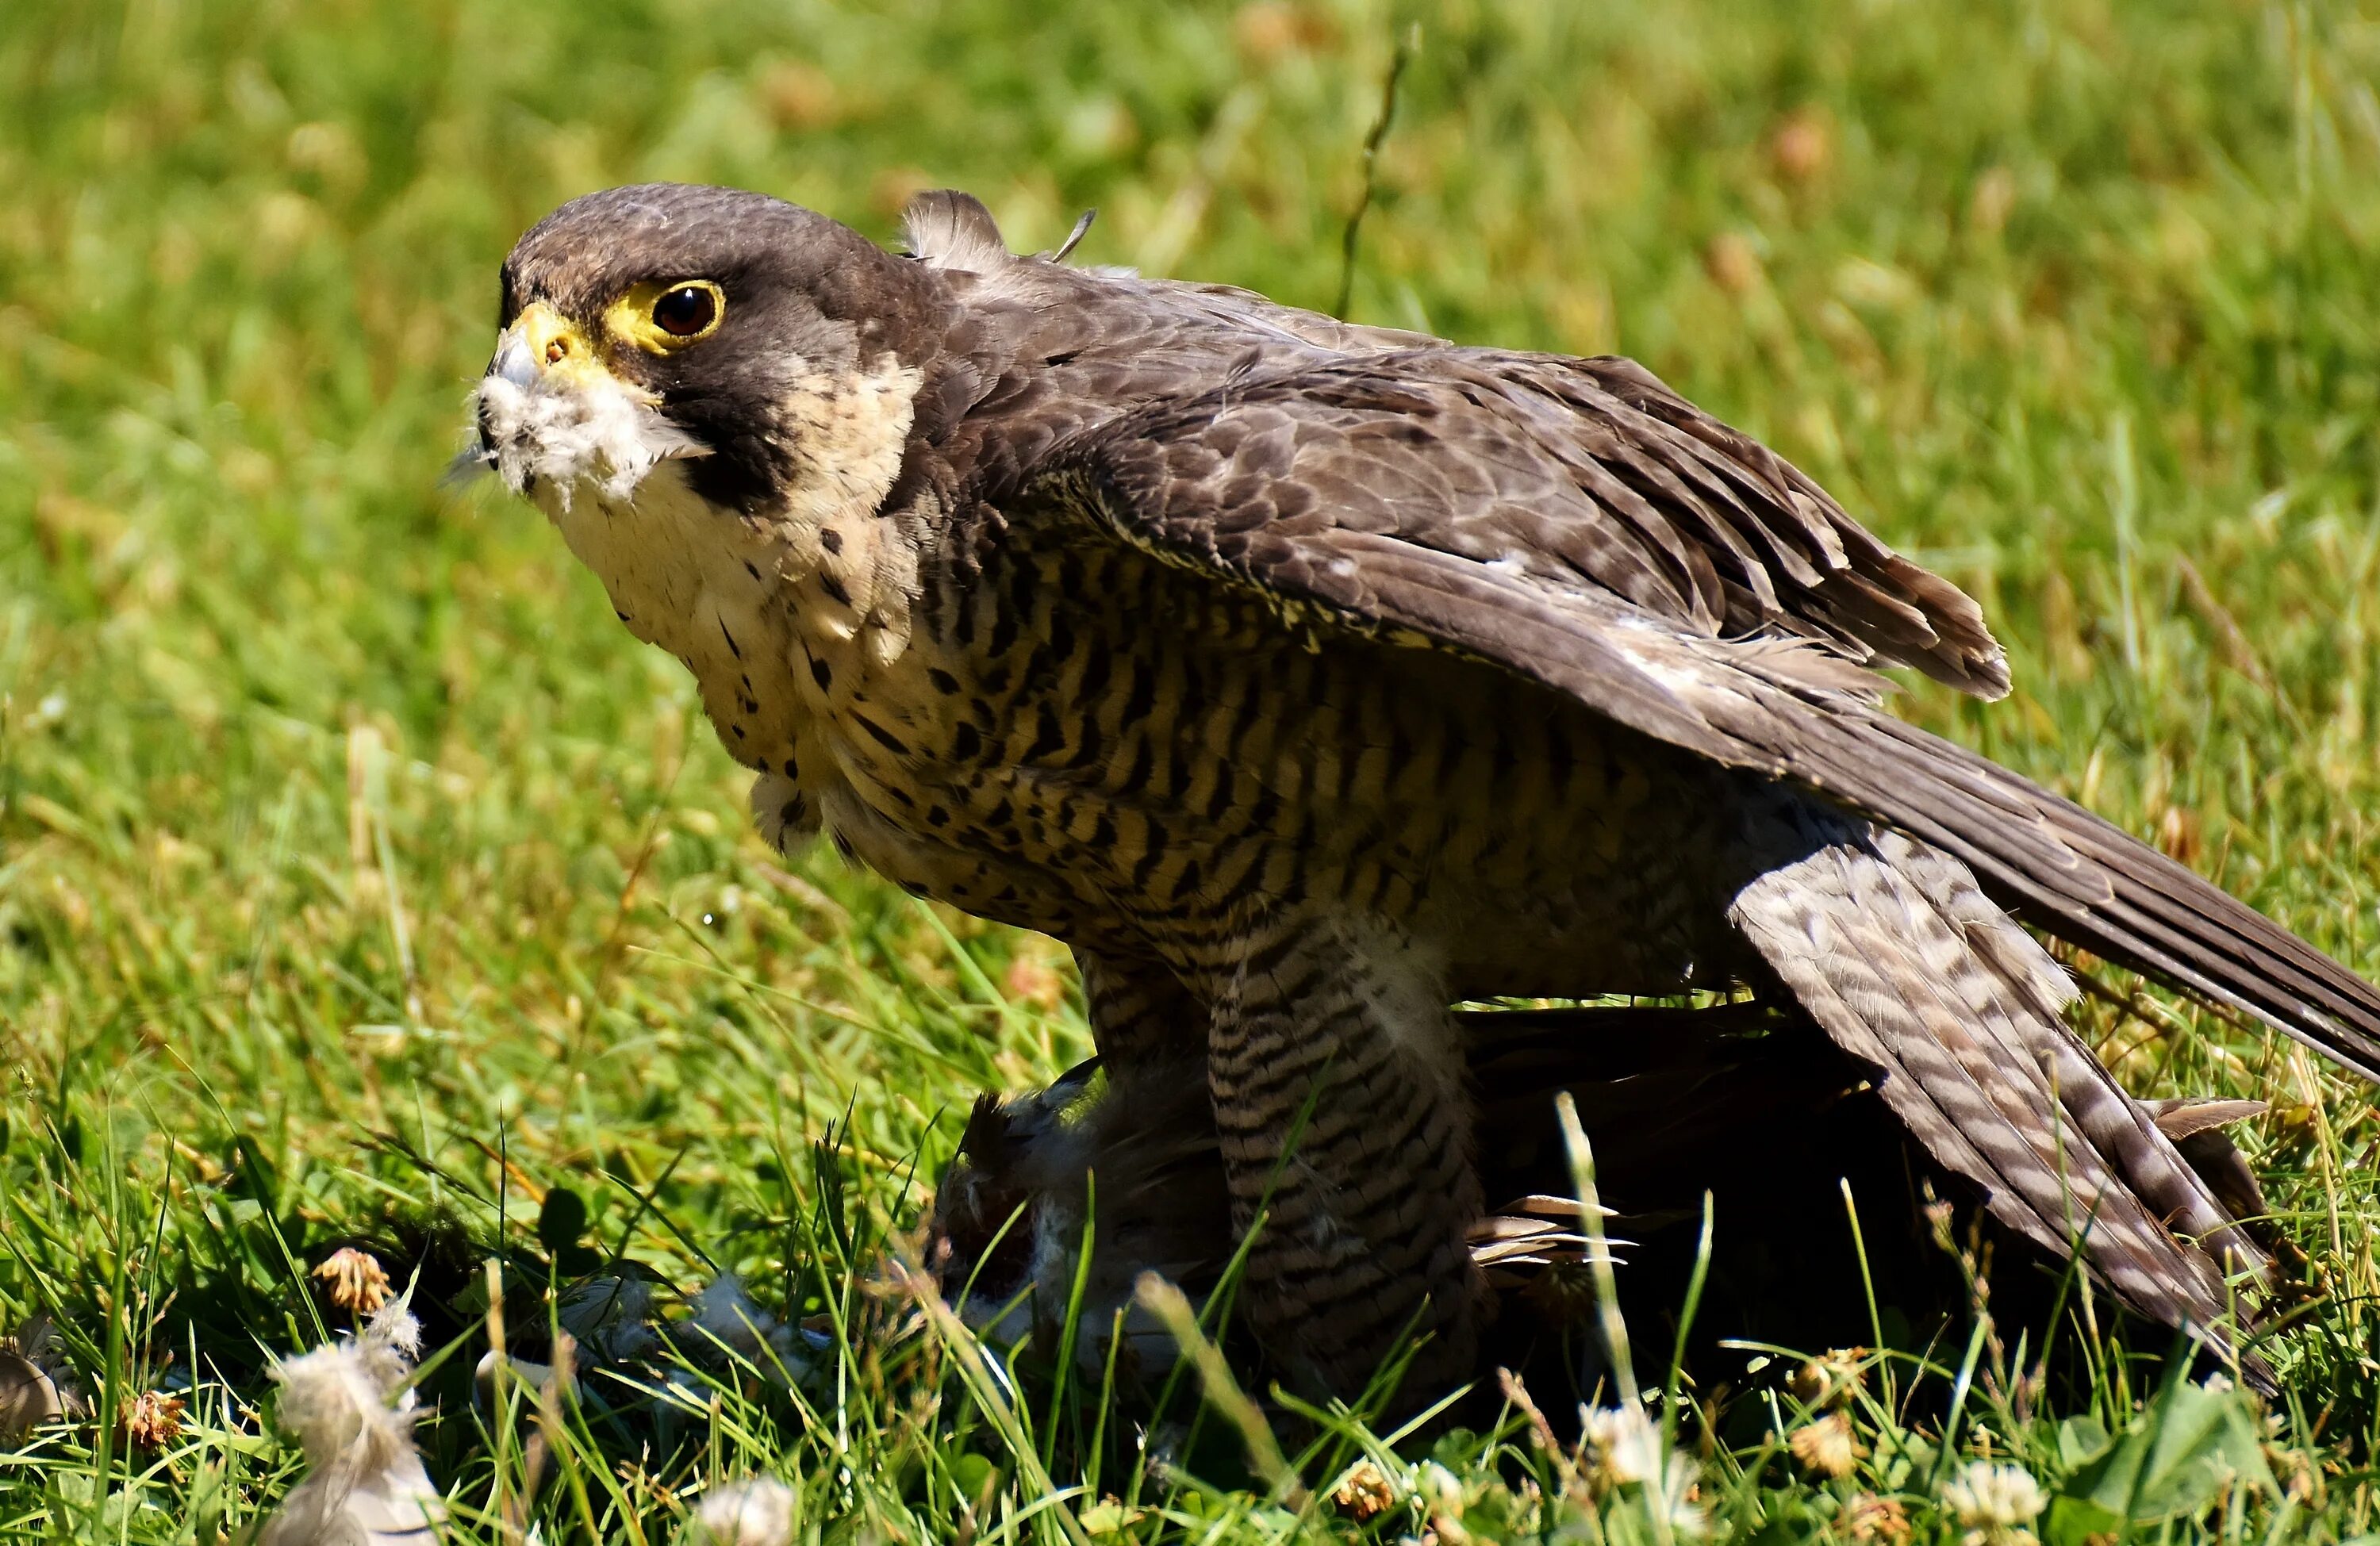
{"x": 751, "y": 1513}
{"x": 350, "y": 1410}
{"x": 36, "y": 1384}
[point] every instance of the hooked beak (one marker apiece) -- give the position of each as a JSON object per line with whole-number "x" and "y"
{"x": 542, "y": 351}
{"x": 550, "y": 412}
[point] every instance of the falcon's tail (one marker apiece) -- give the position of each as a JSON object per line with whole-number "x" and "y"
{"x": 2079, "y": 877}
{"x": 1898, "y": 954}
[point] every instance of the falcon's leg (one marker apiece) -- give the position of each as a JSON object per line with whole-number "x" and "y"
{"x": 1337, "y": 1079}
{"x": 1139, "y": 1010}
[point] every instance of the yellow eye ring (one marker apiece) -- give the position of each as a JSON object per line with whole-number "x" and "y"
{"x": 660, "y": 316}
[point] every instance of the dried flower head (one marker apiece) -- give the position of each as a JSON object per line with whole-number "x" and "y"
{"x": 1827, "y": 1447}
{"x": 2300, "y": 1473}
{"x": 365, "y": 1483}
{"x": 1264, "y": 30}
{"x": 1031, "y": 979}
{"x": 1732, "y": 263}
{"x": 152, "y": 1419}
{"x": 1868, "y": 1518}
{"x": 1801, "y": 147}
{"x": 1995, "y": 1503}
{"x": 1830, "y": 1379}
{"x": 751, "y": 1513}
{"x": 1365, "y": 1492}
{"x": 357, "y": 1283}
{"x": 1994, "y": 197}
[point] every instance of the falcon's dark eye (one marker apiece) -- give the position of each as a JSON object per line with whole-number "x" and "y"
{"x": 688, "y": 311}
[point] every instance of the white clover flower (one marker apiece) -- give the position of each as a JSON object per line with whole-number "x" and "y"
{"x": 1626, "y": 1445}
{"x": 1687, "y": 1515}
{"x": 1628, "y": 1449}
{"x": 1995, "y": 1503}
{"x": 1439, "y": 1490}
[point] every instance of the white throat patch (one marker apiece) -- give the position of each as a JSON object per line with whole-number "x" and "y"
{"x": 782, "y": 613}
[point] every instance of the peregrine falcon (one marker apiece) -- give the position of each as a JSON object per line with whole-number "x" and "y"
{"x": 1308, "y": 679}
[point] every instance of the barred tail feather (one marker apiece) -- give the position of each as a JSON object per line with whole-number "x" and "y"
{"x": 1898, "y": 954}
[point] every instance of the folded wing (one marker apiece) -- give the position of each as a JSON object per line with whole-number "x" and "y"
{"x": 1576, "y": 523}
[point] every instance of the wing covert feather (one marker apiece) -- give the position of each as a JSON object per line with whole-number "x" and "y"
{"x": 1426, "y": 498}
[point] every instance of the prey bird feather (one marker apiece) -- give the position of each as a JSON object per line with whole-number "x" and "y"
{"x": 1732, "y": 1103}
{"x": 1307, "y": 678}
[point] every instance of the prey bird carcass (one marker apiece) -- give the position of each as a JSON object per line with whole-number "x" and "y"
{"x": 1736, "y": 1115}
{"x": 1308, "y": 679}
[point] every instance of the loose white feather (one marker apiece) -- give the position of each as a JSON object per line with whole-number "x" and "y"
{"x": 750, "y": 1513}
{"x": 351, "y": 1412}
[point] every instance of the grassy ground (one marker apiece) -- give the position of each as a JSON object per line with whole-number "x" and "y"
{"x": 361, "y": 881}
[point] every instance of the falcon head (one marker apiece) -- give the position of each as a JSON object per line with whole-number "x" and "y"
{"x": 708, "y": 326}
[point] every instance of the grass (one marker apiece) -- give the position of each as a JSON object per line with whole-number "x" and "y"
{"x": 361, "y": 882}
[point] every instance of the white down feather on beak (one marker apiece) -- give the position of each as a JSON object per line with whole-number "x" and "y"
{"x": 564, "y": 429}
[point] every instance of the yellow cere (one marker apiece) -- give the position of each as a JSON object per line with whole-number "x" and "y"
{"x": 550, "y": 337}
